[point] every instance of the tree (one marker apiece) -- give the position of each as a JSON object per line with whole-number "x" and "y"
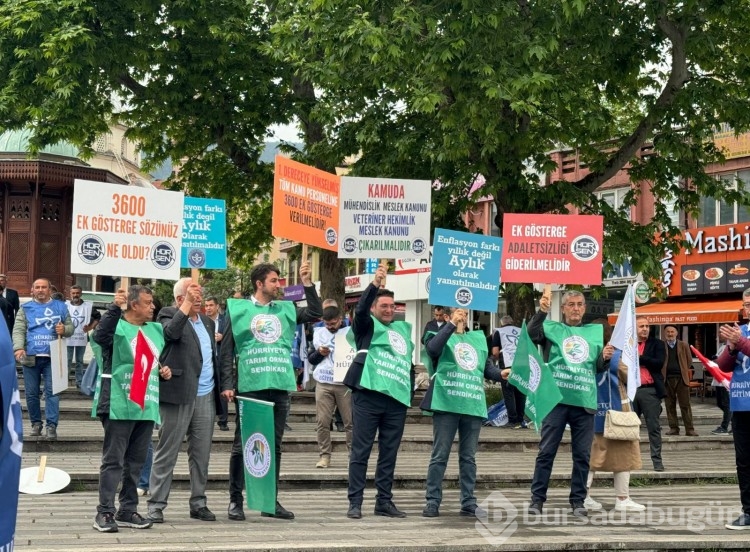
{"x": 449, "y": 90}
{"x": 190, "y": 79}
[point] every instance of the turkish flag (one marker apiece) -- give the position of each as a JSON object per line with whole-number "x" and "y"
{"x": 144, "y": 361}
{"x": 713, "y": 368}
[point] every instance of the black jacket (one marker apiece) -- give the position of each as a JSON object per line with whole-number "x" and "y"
{"x": 182, "y": 353}
{"x": 654, "y": 353}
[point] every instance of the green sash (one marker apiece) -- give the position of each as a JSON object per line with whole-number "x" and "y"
{"x": 387, "y": 367}
{"x": 572, "y": 360}
{"x": 263, "y": 336}
{"x": 120, "y": 406}
{"x": 459, "y": 379}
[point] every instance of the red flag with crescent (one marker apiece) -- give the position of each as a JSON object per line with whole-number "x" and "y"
{"x": 713, "y": 368}
{"x": 144, "y": 361}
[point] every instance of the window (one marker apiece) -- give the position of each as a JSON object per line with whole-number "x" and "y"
{"x": 716, "y": 212}
{"x": 615, "y": 198}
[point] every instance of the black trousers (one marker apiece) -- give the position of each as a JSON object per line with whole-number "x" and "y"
{"x": 280, "y": 400}
{"x": 647, "y": 403}
{"x": 123, "y": 454}
{"x": 741, "y": 428}
{"x": 722, "y": 401}
{"x": 373, "y": 413}
{"x": 515, "y": 402}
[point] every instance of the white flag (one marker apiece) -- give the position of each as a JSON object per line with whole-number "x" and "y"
{"x": 624, "y": 337}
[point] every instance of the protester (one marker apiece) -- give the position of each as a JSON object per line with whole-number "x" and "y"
{"x": 84, "y": 318}
{"x": 329, "y": 395}
{"x": 211, "y": 305}
{"x": 612, "y": 455}
{"x": 381, "y": 378}
{"x": 11, "y": 296}
{"x": 735, "y": 358}
{"x": 257, "y": 376}
{"x": 127, "y": 425}
{"x": 337, "y": 419}
{"x": 504, "y": 341}
{"x": 39, "y": 322}
{"x": 575, "y": 353}
{"x": 647, "y": 402}
{"x": 458, "y": 357}
{"x": 676, "y": 374}
{"x": 187, "y": 402}
{"x": 440, "y": 317}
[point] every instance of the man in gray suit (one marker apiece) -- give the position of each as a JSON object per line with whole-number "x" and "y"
{"x": 187, "y": 402}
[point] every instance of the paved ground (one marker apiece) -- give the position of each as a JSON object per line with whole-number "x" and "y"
{"x": 679, "y": 518}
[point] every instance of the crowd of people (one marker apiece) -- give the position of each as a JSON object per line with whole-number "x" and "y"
{"x": 207, "y": 359}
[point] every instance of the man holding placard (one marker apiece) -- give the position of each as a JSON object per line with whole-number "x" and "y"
{"x": 381, "y": 378}
{"x": 128, "y": 344}
{"x": 329, "y": 393}
{"x": 84, "y": 319}
{"x": 39, "y": 323}
{"x": 260, "y": 331}
{"x": 574, "y": 352}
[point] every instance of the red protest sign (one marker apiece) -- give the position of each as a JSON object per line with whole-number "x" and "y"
{"x": 561, "y": 249}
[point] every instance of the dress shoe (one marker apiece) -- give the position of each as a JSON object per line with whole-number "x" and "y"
{"x": 431, "y": 510}
{"x": 673, "y": 432}
{"x": 388, "y": 509}
{"x": 691, "y": 433}
{"x": 203, "y": 514}
{"x": 659, "y": 467}
{"x": 579, "y": 510}
{"x": 234, "y": 512}
{"x": 473, "y": 510}
{"x": 281, "y": 513}
{"x": 340, "y": 427}
{"x": 223, "y": 427}
{"x": 535, "y": 508}
{"x": 355, "y": 511}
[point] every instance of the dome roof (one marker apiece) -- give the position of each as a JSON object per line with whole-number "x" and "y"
{"x": 17, "y": 141}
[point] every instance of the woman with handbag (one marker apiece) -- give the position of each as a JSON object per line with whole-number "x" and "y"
{"x": 620, "y": 453}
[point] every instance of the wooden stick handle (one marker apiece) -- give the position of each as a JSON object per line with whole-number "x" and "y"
{"x": 42, "y": 467}
{"x": 547, "y": 290}
{"x": 304, "y": 253}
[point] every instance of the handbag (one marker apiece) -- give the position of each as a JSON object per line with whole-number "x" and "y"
{"x": 622, "y": 426}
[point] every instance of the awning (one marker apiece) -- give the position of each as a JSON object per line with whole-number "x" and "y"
{"x": 708, "y": 311}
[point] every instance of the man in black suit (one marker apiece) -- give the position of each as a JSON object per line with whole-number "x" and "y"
{"x": 11, "y": 297}
{"x": 211, "y": 305}
{"x": 187, "y": 402}
{"x": 436, "y": 323}
{"x": 651, "y": 353}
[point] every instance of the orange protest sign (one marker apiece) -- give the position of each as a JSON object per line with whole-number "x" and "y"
{"x": 305, "y": 204}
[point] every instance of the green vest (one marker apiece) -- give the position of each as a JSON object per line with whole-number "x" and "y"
{"x": 263, "y": 336}
{"x": 387, "y": 367}
{"x": 458, "y": 384}
{"x": 572, "y": 360}
{"x": 123, "y": 347}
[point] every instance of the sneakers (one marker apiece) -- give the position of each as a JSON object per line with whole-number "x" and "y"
{"x": 579, "y": 510}
{"x": 132, "y": 519}
{"x": 535, "y": 508}
{"x": 156, "y": 516}
{"x": 340, "y": 427}
{"x": 473, "y": 510}
{"x": 431, "y": 510}
{"x": 223, "y": 426}
{"x": 324, "y": 462}
{"x": 591, "y": 504}
{"x": 104, "y": 522}
{"x": 36, "y": 430}
{"x": 388, "y": 509}
{"x": 51, "y": 433}
{"x": 628, "y": 505}
{"x": 742, "y": 522}
{"x": 355, "y": 511}
{"x": 719, "y": 431}
{"x": 142, "y": 492}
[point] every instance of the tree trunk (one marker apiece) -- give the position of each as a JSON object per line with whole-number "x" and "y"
{"x": 332, "y": 274}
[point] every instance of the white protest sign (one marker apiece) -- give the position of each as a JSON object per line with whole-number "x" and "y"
{"x": 384, "y": 218}
{"x": 343, "y": 355}
{"x": 126, "y": 231}
{"x": 58, "y": 356}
